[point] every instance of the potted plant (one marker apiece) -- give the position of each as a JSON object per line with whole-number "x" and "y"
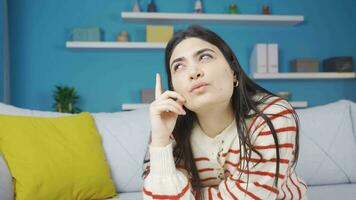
{"x": 65, "y": 99}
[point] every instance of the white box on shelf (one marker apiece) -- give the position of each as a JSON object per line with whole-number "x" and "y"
{"x": 272, "y": 58}
{"x": 258, "y": 60}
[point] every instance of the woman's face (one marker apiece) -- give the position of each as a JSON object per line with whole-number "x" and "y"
{"x": 195, "y": 62}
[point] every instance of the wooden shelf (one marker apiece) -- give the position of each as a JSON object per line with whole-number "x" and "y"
{"x": 309, "y": 75}
{"x": 113, "y": 45}
{"x": 295, "y": 104}
{"x": 215, "y": 18}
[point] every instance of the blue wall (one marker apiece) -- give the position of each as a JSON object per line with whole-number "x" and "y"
{"x": 107, "y": 78}
{"x": 1, "y": 49}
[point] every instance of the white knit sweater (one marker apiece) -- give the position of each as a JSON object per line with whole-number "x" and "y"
{"x": 217, "y": 162}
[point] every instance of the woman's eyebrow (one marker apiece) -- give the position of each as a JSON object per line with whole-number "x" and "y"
{"x": 177, "y": 60}
{"x": 202, "y": 50}
{"x": 195, "y": 54}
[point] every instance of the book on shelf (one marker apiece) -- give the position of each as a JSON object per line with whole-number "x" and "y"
{"x": 258, "y": 60}
{"x": 272, "y": 58}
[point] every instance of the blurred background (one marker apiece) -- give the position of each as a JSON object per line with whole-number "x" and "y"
{"x": 38, "y": 50}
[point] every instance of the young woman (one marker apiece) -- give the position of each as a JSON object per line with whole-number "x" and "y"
{"x": 216, "y": 134}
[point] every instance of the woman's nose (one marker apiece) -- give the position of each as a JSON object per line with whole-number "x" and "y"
{"x": 195, "y": 73}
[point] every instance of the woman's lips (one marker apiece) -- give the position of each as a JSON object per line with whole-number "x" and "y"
{"x": 199, "y": 89}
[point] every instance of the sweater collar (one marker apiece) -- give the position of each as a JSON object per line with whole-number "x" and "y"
{"x": 199, "y": 136}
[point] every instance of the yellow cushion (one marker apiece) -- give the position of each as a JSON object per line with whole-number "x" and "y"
{"x": 58, "y": 158}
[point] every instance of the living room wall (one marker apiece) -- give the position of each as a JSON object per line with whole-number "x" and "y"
{"x": 105, "y": 79}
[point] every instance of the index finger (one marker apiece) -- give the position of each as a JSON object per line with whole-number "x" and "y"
{"x": 158, "y": 90}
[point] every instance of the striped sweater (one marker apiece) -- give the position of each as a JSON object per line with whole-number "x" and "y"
{"x": 217, "y": 162}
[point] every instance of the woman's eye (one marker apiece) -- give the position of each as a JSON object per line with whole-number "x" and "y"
{"x": 176, "y": 67}
{"x": 205, "y": 56}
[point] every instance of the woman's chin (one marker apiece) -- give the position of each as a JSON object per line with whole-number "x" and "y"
{"x": 200, "y": 104}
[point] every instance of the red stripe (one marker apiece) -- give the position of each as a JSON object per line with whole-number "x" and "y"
{"x": 208, "y": 179}
{"x": 299, "y": 192}
{"x": 210, "y": 195}
{"x": 232, "y": 151}
{"x": 219, "y": 195}
{"x": 284, "y": 194}
{"x": 261, "y": 173}
{"x": 206, "y": 169}
{"x": 201, "y": 159}
{"x": 266, "y": 160}
{"x": 280, "y": 114}
{"x": 256, "y": 117}
{"x": 290, "y": 191}
{"x": 272, "y": 146}
{"x": 231, "y": 163}
{"x": 227, "y": 171}
{"x": 247, "y": 192}
{"x": 267, "y": 187}
{"x": 159, "y": 196}
{"x": 302, "y": 183}
{"x": 279, "y": 130}
{"x": 285, "y": 161}
{"x": 231, "y": 194}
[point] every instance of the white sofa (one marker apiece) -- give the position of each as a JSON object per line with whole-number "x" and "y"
{"x": 327, "y": 149}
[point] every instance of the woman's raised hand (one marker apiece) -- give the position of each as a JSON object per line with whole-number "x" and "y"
{"x": 164, "y": 111}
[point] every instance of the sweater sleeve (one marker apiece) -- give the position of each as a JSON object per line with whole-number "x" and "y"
{"x": 164, "y": 181}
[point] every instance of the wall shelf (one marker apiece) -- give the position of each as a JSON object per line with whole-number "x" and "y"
{"x": 295, "y": 104}
{"x": 308, "y": 75}
{"x": 113, "y": 45}
{"x": 214, "y": 18}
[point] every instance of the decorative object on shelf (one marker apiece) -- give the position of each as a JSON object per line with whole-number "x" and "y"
{"x": 147, "y": 95}
{"x": 136, "y": 7}
{"x": 65, "y": 99}
{"x": 198, "y": 7}
{"x": 265, "y": 10}
{"x": 158, "y": 33}
{"x": 338, "y": 64}
{"x": 284, "y": 94}
{"x": 233, "y": 9}
{"x": 87, "y": 34}
{"x": 305, "y": 65}
{"x": 152, "y": 6}
{"x": 123, "y": 36}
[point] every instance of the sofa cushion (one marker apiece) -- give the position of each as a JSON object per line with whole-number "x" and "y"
{"x": 13, "y": 110}
{"x": 338, "y": 191}
{"x": 353, "y": 116}
{"x": 327, "y": 144}
{"x": 125, "y": 137}
{"x": 6, "y": 181}
{"x": 55, "y": 158}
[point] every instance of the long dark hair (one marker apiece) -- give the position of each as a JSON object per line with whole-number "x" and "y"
{"x": 242, "y": 103}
